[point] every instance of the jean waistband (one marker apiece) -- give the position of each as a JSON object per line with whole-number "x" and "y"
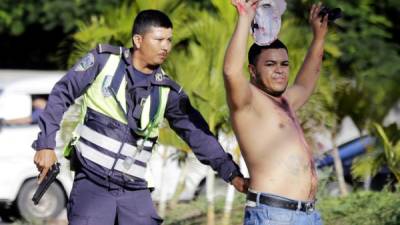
{"x": 280, "y": 201}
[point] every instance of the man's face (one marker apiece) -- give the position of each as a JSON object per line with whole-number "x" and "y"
{"x": 155, "y": 45}
{"x": 271, "y": 71}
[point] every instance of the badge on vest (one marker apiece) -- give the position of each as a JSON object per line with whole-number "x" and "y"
{"x": 126, "y": 53}
{"x": 105, "y": 87}
{"x": 85, "y": 63}
{"x": 159, "y": 77}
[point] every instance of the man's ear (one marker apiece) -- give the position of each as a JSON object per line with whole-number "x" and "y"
{"x": 252, "y": 71}
{"x": 137, "y": 41}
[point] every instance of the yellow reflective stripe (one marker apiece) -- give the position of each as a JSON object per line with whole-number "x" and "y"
{"x": 163, "y": 104}
{"x": 95, "y": 98}
{"x": 150, "y": 128}
{"x": 153, "y": 131}
{"x": 121, "y": 95}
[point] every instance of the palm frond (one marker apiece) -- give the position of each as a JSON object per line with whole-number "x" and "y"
{"x": 368, "y": 164}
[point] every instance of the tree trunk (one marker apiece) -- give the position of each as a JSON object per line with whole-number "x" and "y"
{"x": 230, "y": 194}
{"x": 210, "y": 196}
{"x": 163, "y": 191}
{"x": 338, "y": 167}
{"x": 367, "y": 182}
{"x": 180, "y": 187}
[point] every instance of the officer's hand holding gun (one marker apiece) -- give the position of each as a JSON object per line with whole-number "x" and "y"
{"x": 46, "y": 163}
{"x": 46, "y": 182}
{"x": 44, "y": 160}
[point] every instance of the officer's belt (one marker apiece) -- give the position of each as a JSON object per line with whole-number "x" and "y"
{"x": 137, "y": 169}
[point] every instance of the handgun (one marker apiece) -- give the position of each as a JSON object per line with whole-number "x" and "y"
{"x": 46, "y": 182}
{"x": 333, "y": 14}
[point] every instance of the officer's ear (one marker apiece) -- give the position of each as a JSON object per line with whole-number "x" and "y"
{"x": 137, "y": 40}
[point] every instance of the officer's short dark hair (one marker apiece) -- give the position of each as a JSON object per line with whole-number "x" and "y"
{"x": 148, "y": 18}
{"x": 255, "y": 50}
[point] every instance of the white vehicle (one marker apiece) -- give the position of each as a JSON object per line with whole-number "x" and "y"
{"x": 18, "y": 173}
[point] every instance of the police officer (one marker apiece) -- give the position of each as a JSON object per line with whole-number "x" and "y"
{"x": 125, "y": 97}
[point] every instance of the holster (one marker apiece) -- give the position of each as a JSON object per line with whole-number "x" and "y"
{"x": 69, "y": 152}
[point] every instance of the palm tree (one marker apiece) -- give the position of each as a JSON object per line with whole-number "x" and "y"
{"x": 211, "y": 32}
{"x": 230, "y": 192}
{"x": 114, "y": 27}
{"x": 374, "y": 77}
{"x": 387, "y": 153}
{"x": 199, "y": 74}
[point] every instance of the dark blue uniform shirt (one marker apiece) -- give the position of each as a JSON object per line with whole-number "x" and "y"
{"x": 186, "y": 121}
{"x": 36, "y": 115}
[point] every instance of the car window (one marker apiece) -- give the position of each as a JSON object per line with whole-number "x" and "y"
{"x": 15, "y": 105}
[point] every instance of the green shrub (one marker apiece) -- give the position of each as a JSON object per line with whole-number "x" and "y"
{"x": 359, "y": 208}
{"x": 366, "y": 208}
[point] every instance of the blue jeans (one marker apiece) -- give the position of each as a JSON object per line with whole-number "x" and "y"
{"x": 262, "y": 214}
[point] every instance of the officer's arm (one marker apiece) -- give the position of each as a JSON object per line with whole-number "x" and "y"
{"x": 63, "y": 94}
{"x": 188, "y": 123}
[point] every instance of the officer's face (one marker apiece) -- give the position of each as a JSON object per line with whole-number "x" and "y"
{"x": 155, "y": 45}
{"x": 271, "y": 70}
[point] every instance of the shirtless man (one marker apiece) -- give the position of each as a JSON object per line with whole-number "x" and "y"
{"x": 283, "y": 181}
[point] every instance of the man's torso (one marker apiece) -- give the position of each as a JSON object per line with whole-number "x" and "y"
{"x": 273, "y": 146}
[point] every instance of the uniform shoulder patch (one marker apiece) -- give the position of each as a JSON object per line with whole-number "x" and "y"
{"x": 85, "y": 63}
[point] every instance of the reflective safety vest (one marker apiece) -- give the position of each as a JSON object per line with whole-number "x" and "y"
{"x": 106, "y": 95}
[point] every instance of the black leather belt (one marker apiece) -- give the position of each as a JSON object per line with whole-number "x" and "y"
{"x": 281, "y": 203}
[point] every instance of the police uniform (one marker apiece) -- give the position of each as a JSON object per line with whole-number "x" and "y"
{"x": 113, "y": 147}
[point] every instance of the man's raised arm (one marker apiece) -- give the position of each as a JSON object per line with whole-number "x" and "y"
{"x": 309, "y": 73}
{"x": 237, "y": 86}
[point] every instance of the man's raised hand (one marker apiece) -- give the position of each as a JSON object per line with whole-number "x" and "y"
{"x": 319, "y": 27}
{"x": 246, "y": 7}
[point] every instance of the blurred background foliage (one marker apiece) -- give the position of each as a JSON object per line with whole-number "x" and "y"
{"x": 360, "y": 75}
{"x": 362, "y": 208}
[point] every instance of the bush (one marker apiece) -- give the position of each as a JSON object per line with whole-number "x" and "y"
{"x": 366, "y": 208}
{"x": 358, "y": 208}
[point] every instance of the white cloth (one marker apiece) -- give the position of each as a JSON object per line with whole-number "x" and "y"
{"x": 267, "y": 21}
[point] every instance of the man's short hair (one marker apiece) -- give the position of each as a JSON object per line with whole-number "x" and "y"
{"x": 255, "y": 50}
{"x": 148, "y": 18}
